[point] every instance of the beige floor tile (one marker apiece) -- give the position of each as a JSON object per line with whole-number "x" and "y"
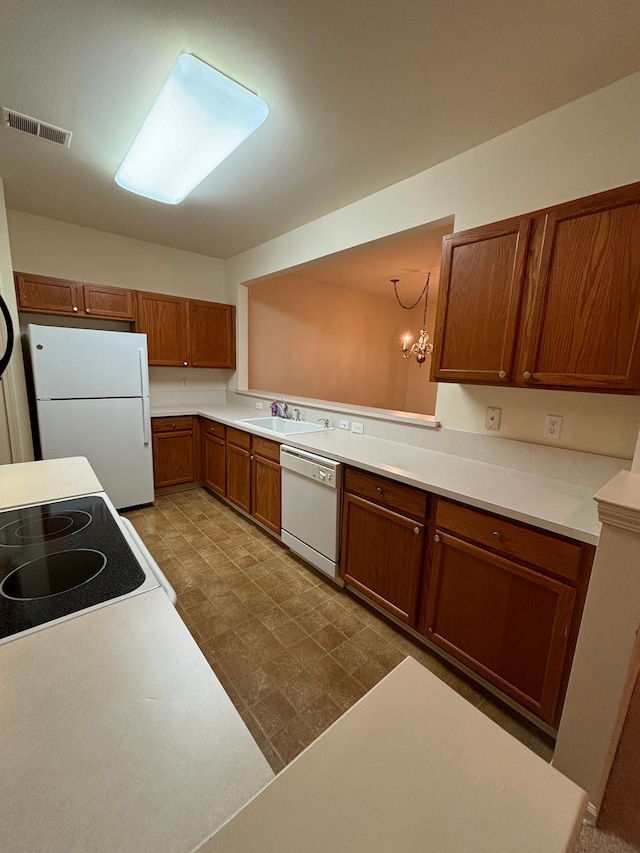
{"x": 254, "y": 687}
{"x": 302, "y": 690}
{"x": 370, "y": 673}
{"x": 273, "y": 713}
{"x": 349, "y": 656}
{"x": 320, "y": 714}
{"x": 292, "y": 739}
{"x": 329, "y": 637}
{"x": 307, "y": 651}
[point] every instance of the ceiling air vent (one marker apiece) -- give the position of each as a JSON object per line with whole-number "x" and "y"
{"x": 34, "y": 127}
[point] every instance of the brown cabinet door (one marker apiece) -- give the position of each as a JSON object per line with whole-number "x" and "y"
{"x": 48, "y": 295}
{"x": 585, "y": 320}
{"x": 506, "y": 622}
{"x": 481, "y": 291}
{"x": 173, "y": 458}
{"x": 212, "y": 327}
{"x": 114, "y": 303}
{"x": 239, "y": 476}
{"x": 265, "y": 492}
{"x": 164, "y": 321}
{"x": 214, "y": 463}
{"x": 382, "y": 556}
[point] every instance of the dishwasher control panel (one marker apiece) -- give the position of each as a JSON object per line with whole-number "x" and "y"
{"x": 323, "y": 474}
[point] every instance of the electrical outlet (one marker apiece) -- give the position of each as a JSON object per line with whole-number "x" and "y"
{"x": 343, "y": 424}
{"x": 553, "y": 427}
{"x": 258, "y": 405}
{"x": 357, "y": 427}
{"x": 185, "y": 383}
{"x": 492, "y": 418}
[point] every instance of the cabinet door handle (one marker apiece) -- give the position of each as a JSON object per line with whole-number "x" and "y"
{"x": 503, "y": 374}
{"x": 526, "y": 374}
{"x": 496, "y": 534}
{"x": 251, "y": 457}
{"x": 416, "y": 530}
{"x": 186, "y": 364}
{"x": 88, "y": 310}
{"x": 436, "y": 538}
{"x": 75, "y": 309}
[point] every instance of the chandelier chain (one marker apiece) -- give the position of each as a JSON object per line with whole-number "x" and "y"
{"x": 424, "y": 290}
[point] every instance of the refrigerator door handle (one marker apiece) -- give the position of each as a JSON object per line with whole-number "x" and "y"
{"x": 146, "y": 420}
{"x": 144, "y": 373}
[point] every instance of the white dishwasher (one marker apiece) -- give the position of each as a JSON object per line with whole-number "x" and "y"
{"x": 311, "y": 492}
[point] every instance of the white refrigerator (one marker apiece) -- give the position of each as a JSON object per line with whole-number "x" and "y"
{"x": 92, "y": 399}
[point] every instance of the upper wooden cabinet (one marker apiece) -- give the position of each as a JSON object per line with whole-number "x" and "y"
{"x": 59, "y": 296}
{"x": 164, "y": 321}
{"x": 187, "y": 332}
{"x": 548, "y": 300}
{"x": 212, "y": 330}
{"x": 481, "y": 294}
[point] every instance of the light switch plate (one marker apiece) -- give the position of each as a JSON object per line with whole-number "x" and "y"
{"x": 258, "y": 405}
{"x": 492, "y": 418}
{"x": 343, "y": 424}
{"x": 357, "y": 427}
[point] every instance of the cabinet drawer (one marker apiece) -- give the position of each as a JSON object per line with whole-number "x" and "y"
{"x": 171, "y": 424}
{"x": 213, "y": 428}
{"x": 239, "y": 438}
{"x": 387, "y": 492}
{"x": 266, "y": 448}
{"x": 509, "y": 539}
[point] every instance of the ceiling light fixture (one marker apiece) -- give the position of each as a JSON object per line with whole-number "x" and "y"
{"x": 422, "y": 348}
{"x": 199, "y": 117}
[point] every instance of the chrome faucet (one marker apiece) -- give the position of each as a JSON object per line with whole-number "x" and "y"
{"x": 324, "y": 422}
{"x": 297, "y": 414}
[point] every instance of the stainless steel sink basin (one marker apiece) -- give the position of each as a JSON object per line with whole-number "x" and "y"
{"x": 281, "y": 426}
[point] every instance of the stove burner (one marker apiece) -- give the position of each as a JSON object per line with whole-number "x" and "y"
{"x": 43, "y": 527}
{"x": 52, "y": 574}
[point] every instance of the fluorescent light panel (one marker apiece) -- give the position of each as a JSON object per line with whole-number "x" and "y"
{"x": 197, "y": 120}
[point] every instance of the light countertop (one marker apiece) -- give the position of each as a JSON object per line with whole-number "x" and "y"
{"x": 413, "y": 767}
{"x": 26, "y": 483}
{"x": 548, "y": 503}
{"x": 116, "y": 735}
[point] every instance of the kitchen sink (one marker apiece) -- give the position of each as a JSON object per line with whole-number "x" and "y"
{"x": 281, "y": 426}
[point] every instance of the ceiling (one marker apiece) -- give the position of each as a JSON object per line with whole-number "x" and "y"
{"x": 408, "y": 256}
{"x": 361, "y": 95}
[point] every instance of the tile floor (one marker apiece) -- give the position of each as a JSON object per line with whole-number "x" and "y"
{"x": 292, "y": 650}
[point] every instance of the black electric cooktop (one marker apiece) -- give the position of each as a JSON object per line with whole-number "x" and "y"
{"x": 59, "y": 558}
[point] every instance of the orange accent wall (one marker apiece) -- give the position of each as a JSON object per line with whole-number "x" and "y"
{"x": 317, "y": 340}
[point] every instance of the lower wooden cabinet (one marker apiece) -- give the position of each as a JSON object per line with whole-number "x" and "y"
{"x": 253, "y": 476}
{"x": 507, "y": 607}
{"x": 175, "y": 456}
{"x": 383, "y": 546}
{"x": 214, "y": 456}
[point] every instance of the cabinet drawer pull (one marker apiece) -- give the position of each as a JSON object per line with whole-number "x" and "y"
{"x": 379, "y": 489}
{"x": 173, "y": 426}
{"x": 185, "y": 363}
{"x": 503, "y": 374}
{"x": 75, "y": 308}
{"x": 526, "y": 374}
{"x": 496, "y": 534}
{"x": 88, "y": 310}
{"x": 436, "y": 538}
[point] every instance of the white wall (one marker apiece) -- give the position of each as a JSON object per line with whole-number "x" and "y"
{"x": 49, "y": 247}
{"x": 585, "y": 147}
{"x": 15, "y": 434}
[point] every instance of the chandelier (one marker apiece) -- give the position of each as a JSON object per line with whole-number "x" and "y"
{"x": 422, "y": 347}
